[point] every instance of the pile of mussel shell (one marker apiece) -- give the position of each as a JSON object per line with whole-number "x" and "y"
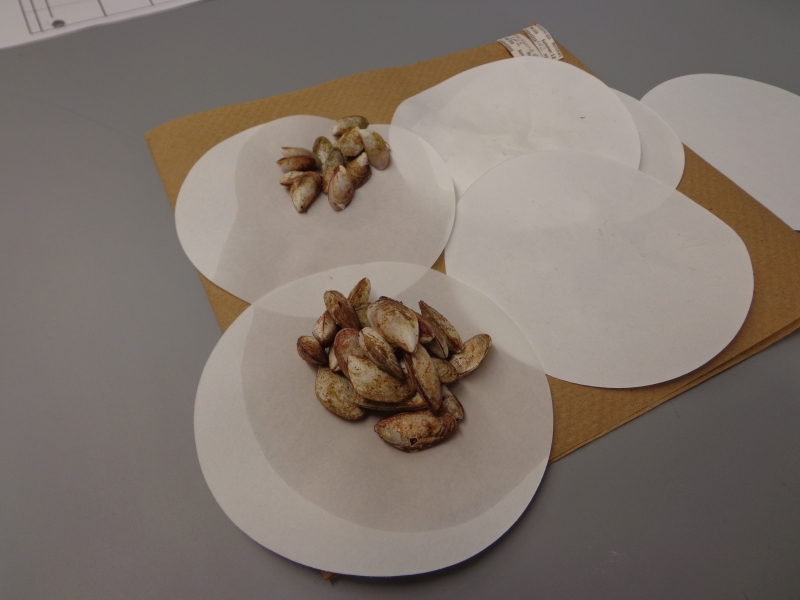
{"x": 386, "y": 357}
{"x": 338, "y": 169}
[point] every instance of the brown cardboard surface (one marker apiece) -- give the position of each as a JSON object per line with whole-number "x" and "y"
{"x": 581, "y": 414}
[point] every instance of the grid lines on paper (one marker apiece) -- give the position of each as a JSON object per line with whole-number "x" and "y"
{"x": 43, "y": 15}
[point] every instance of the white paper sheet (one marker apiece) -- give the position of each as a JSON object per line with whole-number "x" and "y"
{"x": 617, "y": 279}
{"x": 25, "y": 21}
{"x": 331, "y": 494}
{"x": 662, "y": 151}
{"x": 239, "y": 228}
{"x": 486, "y": 115}
{"x": 748, "y": 130}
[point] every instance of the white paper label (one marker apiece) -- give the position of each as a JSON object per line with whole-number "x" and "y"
{"x": 538, "y": 42}
{"x": 544, "y": 41}
{"x": 519, "y": 45}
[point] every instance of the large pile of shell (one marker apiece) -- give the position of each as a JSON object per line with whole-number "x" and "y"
{"x": 344, "y": 166}
{"x": 383, "y": 356}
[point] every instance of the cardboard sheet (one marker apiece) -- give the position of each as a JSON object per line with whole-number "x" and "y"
{"x": 617, "y": 279}
{"x": 581, "y": 414}
{"x": 330, "y": 493}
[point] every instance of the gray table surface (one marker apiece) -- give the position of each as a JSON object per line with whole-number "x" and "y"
{"x": 105, "y": 327}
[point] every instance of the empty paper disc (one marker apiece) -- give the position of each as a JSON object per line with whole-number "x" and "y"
{"x": 486, "y": 115}
{"x": 239, "y": 228}
{"x": 617, "y": 279}
{"x": 330, "y": 493}
{"x": 748, "y": 130}
{"x": 662, "y": 150}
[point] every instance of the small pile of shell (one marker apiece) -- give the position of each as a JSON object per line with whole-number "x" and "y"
{"x": 385, "y": 357}
{"x": 343, "y": 166}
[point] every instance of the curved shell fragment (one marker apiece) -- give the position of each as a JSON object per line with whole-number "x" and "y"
{"x": 325, "y": 329}
{"x": 416, "y": 402}
{"x": 350, "y": 143}
{"x": 345, "y": 344}
{"x": 374, "y": 383}
{"x": 440, "y": 321}
{"x": 340, "y": 189}
{"x": 322, "y": 147}
{"x": 311, "y": 351}
{"x": 380, "y": 352}
{"x": 345, "y": 123}
{"x": 475, "y": 349}
{"x": 359, "y": 170}
{"x": 360, "y": 293}
{"x": 336, "y": 394}
{"x": 297, "y": 163}
{"x": 422, "y": 373}
{"x": 447, "y": 372}
{"x": 415, "y": 431}
{"x": 451, "y": 404}
{"x": 376, "y": 148}
{"x": 395, "y": 322}
{"x": 340, "y": 310}
{"x": 305, "y": 190}
{"x": 334, "y": 159}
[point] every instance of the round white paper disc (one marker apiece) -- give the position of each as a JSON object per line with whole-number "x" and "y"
{"x": 748, "y": 130}
{"x": 330, "y": 493}
{"x": 486, "y": 115}
{"x": 662, "y": 150}
{"x": 239, "y": 228}
{"x": 617, "y": 279}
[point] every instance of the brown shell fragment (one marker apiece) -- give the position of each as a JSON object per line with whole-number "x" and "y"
{"x": 359, "y": 170}
{"x": 426, "y": 333}
{"x": 361, "y": 311}
{"x": 416, "y": 402}
{"x": 305, "y": 190}
{"x": 333, "y": 362}
{"x": 438, "y": 320}
{"x": 415, "y": 431}
{"x": 376, "y": 148}
{"x": 322, "y": 147}
{"x": 475, "y": 349}
{"x": 325, "y": 329}
{"x": 289, "y": 178}
{"x": 336, "y": 394}
{"x": 334, "y": 159}
{"x": 346, "y": 123}
{"x": 340, "y": 189}
{"x": 447, "y": 372}
{"x": 340, "y": 310}
{"x": 297, "y": 163}
{"x": 350, "y": 143}
{"x": 374, "y": 383}
{"x": 380, "y": 352}
{"x": 451, "y": 404}
{"x": 395, "y": 322}
{"x": 292, "y": 151}
{"x": 438, "y": 345}
{"x": 310, "y": 350}
{"x": 360, "y": 293}
{"x": 346, "y": 343}
{"x": 422, "y": 372}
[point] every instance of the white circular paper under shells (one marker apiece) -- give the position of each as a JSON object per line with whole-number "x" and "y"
{"x": 331, "y": 494}
{"x": 748, "y": 130}
{"x": 662, "y": 150}
{"x": 617, "y": 279}
{"x": 240, "y": 229}
{"x": 486, "y": 115}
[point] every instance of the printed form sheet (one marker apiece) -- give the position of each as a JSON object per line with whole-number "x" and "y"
{"x": 24, "y": 21}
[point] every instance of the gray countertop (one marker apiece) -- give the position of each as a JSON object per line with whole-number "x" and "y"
{"x": 105, "y": 327}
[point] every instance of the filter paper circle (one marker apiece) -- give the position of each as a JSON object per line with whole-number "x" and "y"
{"x": 486, "y": 115}
{"x": 617, "y": 279}
{"x": 239, "y": 228}
{"x": 330, "y": 493}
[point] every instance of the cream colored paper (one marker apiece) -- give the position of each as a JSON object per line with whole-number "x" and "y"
{"x": 330, "y": 493}
{"x": 488, "y": 114}
{"x": 239, "y": 228}
{"x": 662, "y": 150}
{"x": 617, "y": 279}
{"x": 748, "y": 130}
